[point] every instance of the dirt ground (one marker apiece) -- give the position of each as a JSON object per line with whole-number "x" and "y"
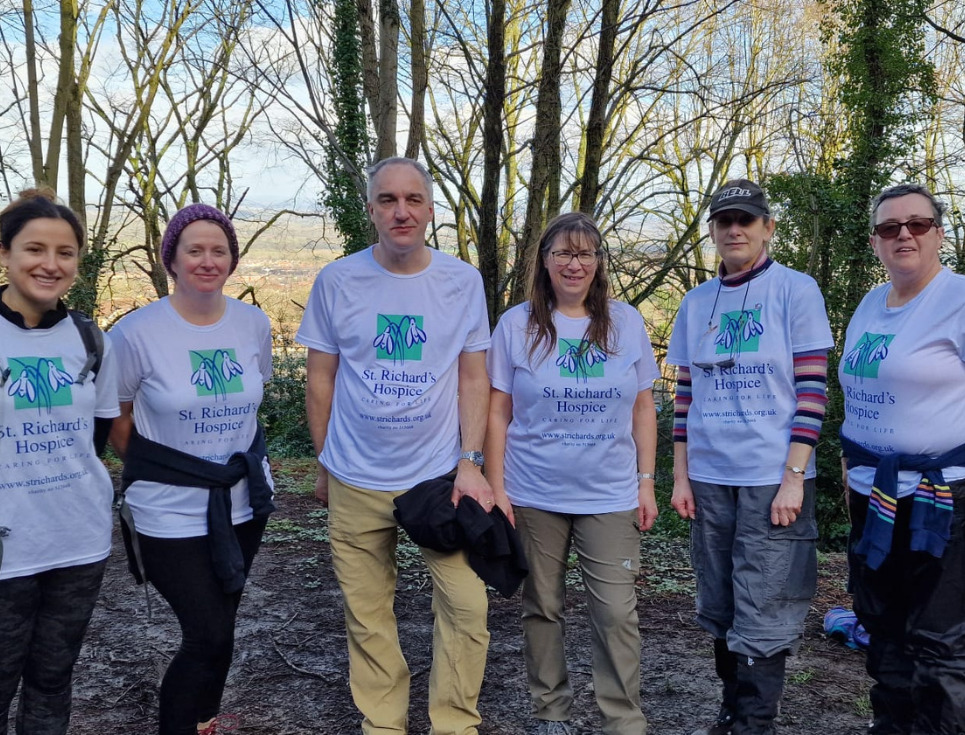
{"x": 290, "y": 672}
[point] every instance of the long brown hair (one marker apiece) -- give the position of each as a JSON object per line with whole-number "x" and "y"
{"x": 573, "y": 228}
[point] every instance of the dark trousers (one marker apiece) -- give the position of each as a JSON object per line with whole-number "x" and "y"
{"x": 913, "y": 606}
{"x": 43, "y": 618}
{"x": 181, "y": 570}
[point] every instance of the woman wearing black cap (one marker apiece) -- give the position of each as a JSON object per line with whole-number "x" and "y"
{"x": 192, "y": 370}
{"x": 750, "y": 348}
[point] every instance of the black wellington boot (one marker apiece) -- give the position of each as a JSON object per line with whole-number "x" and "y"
{"x": 760, "y": 683}
{"x": 725, "y": 664}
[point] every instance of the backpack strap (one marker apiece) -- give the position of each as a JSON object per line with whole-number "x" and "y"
{"x": 93, "y": 339}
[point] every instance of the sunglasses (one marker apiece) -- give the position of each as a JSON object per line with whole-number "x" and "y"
{"x": 743, "y": 219}
{"x": 727, "y": 362}
{"x": 916, "y": 227}
{"x": 724, "y": 364}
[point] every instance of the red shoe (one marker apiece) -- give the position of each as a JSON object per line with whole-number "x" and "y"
{"x": 220, "y": 724}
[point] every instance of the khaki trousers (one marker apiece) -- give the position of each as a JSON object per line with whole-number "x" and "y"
{"x": 608, "y": 547}
{"x": 364, "y": 534}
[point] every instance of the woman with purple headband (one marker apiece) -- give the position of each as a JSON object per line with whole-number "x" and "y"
{"x": 196, "y": 482}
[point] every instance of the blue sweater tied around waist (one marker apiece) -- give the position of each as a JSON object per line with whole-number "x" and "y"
{"x": 931, "y": 512}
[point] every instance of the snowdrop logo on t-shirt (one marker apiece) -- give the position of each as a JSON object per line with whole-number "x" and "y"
{"x": 863, "y": 405}
{"x": 740, "y": 332}
{"x": 580, "y": 359}
{"x": 867, "y": 355}
{"x": 400, "y": 338}
{"x": 575, "y": 401}
{"x": 400, "y": 387}
{"x": 216, "y": 372}
{"x": 740, "y": 383}
{"x": 40, "y": 383}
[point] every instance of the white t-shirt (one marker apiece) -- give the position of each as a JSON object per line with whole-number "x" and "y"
{"x": 394, "y": 419}
{"x": 55, "y": 494}
{"x": 196, "y": 389}
{"x": 903, "y": 377}
{"x": 739, "y": 423}
{"x": 569, "y": 446}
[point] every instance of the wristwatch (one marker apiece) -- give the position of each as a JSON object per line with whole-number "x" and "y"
{"x": 475, "y": 457}
{"x": 795, "y": 470}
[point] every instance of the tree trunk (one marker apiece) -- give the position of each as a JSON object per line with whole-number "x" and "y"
{"x": 495, "y": 93}
{"x": 546, "y": 147}
{"x": 385, "y": 122}
{"x": 596, "y": 122}
{"x": 66, "y": 80}
{"x": 420, "y": 77}
{"x": 380, "y": 65}
{"x": 34, "y": 139}
{"x": 76, "y": 170}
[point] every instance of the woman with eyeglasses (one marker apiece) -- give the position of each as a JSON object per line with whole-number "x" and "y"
{"x": 750, "y": 348}
{"x": 197, "y": 484}
{"x": 903, "y": 377}
{"x": 58, "y": 397}
{"x": 570, "y": 453}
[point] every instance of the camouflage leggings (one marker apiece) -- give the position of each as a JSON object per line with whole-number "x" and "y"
{"x": 43, "y": 618}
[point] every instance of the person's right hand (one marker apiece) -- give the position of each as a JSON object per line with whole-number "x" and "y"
{"x": 682, "y": 499}
{"x": 321, "y": 486}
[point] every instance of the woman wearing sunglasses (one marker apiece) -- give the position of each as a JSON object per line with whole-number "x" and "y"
{"x": 903, "y": 377}
{"x": 572, "y": 441}
{"x": 750, "y": 348}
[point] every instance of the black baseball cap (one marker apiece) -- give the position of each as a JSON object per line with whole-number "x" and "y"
{"x": 743, "y": 195}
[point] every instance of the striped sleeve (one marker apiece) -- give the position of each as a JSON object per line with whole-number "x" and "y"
{"x": 810, "y": 383}
{"x": 681, "y": 403}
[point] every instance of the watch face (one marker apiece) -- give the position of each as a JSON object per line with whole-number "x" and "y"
{"x": 475, "y": 457}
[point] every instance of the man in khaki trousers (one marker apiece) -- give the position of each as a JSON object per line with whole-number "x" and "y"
{"x": 397, "y": 394}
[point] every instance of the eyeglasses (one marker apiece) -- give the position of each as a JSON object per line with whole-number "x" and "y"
{"x": 916, "y": 227}
{"x": 726, "y": 219}
{"x": 565, "y": 257}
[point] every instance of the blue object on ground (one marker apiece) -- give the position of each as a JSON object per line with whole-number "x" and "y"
{"x": 842, "y": 625}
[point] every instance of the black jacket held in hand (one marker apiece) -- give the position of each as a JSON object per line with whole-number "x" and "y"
{"x": 495, "y": 552}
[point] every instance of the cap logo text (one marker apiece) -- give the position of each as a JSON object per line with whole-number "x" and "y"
{"x": 735, "y": 191}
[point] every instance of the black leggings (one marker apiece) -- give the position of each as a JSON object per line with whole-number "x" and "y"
{"x": 181, "y": 570}
{"x": 43, "y": 618}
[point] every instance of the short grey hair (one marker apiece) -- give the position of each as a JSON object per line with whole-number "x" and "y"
{"x": 374, "y": 170}
{"x": 893, "y": 192}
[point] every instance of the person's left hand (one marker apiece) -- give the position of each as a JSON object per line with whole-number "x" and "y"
{"x": 471, "y": 482}
{"x": 787, "y": 504}
{"x": 647, "y": 509}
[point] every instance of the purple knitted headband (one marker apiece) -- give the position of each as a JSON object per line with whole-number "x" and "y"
{"x": 193, "y": 213}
